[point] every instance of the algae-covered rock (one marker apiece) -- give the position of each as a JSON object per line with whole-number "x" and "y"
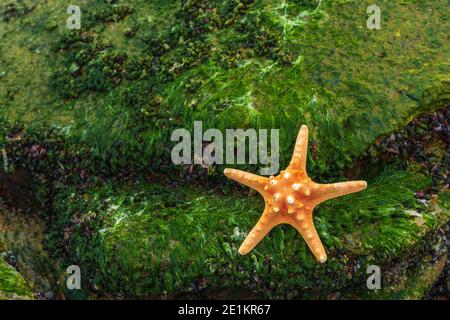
{"x": 145, "y": 240}
{"x": 135, "y": 71}
{"x": 21, "y": 241}
{"x": 90, "y": 112}
{"x": 12, "y": 284}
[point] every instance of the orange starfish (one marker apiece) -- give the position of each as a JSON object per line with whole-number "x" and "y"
{"x": 291, "y": 198}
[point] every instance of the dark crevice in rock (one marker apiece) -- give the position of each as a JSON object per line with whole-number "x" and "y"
{"x": 423, "y": 146}
{"x": 16, "y": 190}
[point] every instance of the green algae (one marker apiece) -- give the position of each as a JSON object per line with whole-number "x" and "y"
{"x": 12, "y": 284}
{"x": 324, "y": 69}
{"x": 138, "y": 70}
{"x": 21, "y": 237}
{"x": 416, "y": 287}
{"x": 146, "y": 240}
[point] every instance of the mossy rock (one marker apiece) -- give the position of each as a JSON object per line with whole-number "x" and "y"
{"x": 146, "y": 240}
{"x": 259, "y": 63}
{"x": 136, "y": 70}
{"x": 417, "y": 286}
{"x": 12, "y": 284}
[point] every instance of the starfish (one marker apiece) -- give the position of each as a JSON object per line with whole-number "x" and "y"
{"x": 291, "y": 197}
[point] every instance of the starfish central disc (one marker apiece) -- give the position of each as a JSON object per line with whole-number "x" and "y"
{"x": 290, "y": 198}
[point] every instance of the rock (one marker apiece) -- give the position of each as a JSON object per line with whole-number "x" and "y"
{"x": 49, "y": 295}
{"x": 99, "y": 108}
{"x": 12, "y": 284}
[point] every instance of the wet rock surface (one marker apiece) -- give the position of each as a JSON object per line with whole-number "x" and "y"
{"x": 12, "y": 284}
{"x": 22, "y": 242}
{"x": 86, "y": 145}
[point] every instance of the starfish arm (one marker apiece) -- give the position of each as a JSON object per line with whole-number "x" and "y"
{"x": 308, "y": 231}
{"x": 299, "y": 157}
{"x": 259, "y": 231}
{"x": 250, "y": 180}
{"x": 325, "y": 192}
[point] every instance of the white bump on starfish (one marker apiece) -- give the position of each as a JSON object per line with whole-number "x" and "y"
{"x": 290, "y": 200}
{"x": 296, "y": 186}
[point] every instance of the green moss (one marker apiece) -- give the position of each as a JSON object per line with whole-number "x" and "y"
{"x": 232, "y": 64}
{"x": 410, "y": 284}
{"x": 12, "y": 284}
{"x": 382, "y": 221}
{"x": 142, "y": 240}
{"x": 21, "y": 240}
{"x": 417, "y": 285}
{"x": 114, "y": 91}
